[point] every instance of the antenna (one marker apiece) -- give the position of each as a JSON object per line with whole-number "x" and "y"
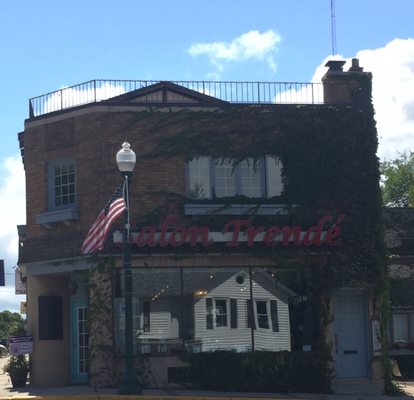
{"x": 333, "y": 27}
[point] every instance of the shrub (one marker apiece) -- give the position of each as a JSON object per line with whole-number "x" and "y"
{"x": 260, "y": 371}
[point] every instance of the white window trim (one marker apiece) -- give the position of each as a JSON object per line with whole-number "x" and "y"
{"x": 269, "y": 316}
{"x": 215, "y": 326}
{"x": 51, "y": 183}
{"x": 265, "y": 188}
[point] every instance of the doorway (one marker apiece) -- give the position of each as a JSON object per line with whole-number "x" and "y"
{"x": 79, "y": 342}
{"x": 350, "y": 334}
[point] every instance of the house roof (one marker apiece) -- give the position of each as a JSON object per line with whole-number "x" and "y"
{"x": 167, "y": 283}
{"x": 167, "y": 92}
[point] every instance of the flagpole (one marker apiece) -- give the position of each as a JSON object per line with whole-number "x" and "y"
{"x": 130, "y": 384}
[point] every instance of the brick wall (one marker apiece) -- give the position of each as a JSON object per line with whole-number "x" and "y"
{"x": 93, "y": 140}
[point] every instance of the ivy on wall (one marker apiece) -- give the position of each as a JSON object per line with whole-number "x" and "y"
{"x": 102, "y": 372}
{"x": 329, "y": 168}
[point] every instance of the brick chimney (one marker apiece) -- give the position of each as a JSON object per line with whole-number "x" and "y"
{"x": 346, "y": 87}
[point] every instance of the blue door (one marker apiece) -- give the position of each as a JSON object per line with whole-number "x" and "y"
{"x": 350, "y": 330}
{"x": 79, "y": 341}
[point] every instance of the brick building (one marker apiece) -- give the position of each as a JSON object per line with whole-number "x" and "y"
{"x": 254, "y": 210}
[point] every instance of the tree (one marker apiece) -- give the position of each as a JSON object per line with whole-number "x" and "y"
{"x": 11, "y": 324}
{"x": 398, "y": 181}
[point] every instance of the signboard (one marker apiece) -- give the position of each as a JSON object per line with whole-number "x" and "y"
{"x": 376, "y": 337}
{"x": 327, "y": 231}
{"x": 19, "y": 345}
{"x": 23, "y": 307}
{"x": 2, "y": 277}
{"x": 20, "y": 286}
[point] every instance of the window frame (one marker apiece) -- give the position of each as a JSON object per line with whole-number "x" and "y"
{"x": 268, "y": 314}
{"x": 215, "y": 314}
{"x": 262, "y": 164}
{"x": 409, "y": 321}
{"x": 51, "y": 187}
{"x": 188, "y": 178}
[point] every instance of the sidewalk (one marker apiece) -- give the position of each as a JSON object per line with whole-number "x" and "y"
{"x": 89, "y": 393}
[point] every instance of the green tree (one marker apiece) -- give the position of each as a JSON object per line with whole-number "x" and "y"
{"x": 398, "y": 181}
{"x": 11, "y": 323}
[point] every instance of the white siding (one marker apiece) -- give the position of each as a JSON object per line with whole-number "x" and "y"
{"x": 239, "y": 339}
{"x": 162, "y": 326}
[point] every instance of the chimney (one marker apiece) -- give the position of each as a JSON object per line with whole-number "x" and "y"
{"x": 345, "y": 87}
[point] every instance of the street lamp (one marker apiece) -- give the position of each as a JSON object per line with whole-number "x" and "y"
{"x": 130, "y": 385}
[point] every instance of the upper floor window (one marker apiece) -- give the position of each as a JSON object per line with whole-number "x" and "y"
{"x": 62, "y": 183}
{"x": 214, "y": 178}
{"x": 61, "y": 193}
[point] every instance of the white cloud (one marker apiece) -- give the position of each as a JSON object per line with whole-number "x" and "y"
{"x": 10, "y": 301}
{"x": 12, "y": 204}
{"x": 251, "y": 45}
{"x": 392, "y": 67}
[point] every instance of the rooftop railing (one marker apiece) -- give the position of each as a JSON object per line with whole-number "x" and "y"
{"x": 233, "y": 92}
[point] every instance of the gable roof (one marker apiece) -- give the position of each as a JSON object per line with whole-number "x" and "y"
{"x": 153, "y": 283}
{"x": 166, "y": 92}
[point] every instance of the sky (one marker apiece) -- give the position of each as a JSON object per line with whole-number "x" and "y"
{"x": 47, "y": 44}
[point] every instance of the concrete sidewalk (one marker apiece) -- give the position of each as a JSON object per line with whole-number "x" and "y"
{"x": 89, "y": 393}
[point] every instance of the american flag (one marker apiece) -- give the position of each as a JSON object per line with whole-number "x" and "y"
{"x": 95, "y": 239}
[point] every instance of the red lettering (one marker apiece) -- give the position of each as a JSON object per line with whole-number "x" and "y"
{"x": 177, "y": 236}
{"x": 252, "y": 232}
{"x": 182, "y": 231}
{"x": 270, "y": 234}
{"x": 237, "y": 223}
{"x": 146, "y": 237}
{"x": 314, "y": 234}
{"x": 287, "y": 232}
{"x": 164, "y": 228}
{"x": 334, "y": 232}
{"x": 196, "y": 231}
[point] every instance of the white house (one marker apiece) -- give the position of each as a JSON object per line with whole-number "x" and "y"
{"x": 214, "y": 310}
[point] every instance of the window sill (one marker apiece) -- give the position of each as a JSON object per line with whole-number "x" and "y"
{"x": 234, "y": 209}
{"x": 66, "y": 215}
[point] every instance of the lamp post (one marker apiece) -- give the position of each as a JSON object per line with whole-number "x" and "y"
{"x": 130, "y": 385}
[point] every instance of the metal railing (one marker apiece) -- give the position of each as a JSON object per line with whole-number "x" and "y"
{"x": 233, "y": 92}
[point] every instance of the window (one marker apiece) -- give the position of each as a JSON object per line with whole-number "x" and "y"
{"x": 225, "y": 179}
{"x": 274, "y": 183}
{"x": 146, "y": 314}
{"x": 250, "y": 178}
{"x": 265, "y": 314}
{"x": 262, "y": 313}
{"x": 216, "y": 178}
{"x": 199, "y": 178}
{"x": 403, "y": 328}
{"x": 61, "y": 196}
{"x": 221, "y": 313}
{"x": 220, "y": 307}
{"x": 50, "y": 317}
{"x": 62, "y": 184}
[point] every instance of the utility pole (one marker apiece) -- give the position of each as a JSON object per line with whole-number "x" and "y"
{"x": 333, "y": 27}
